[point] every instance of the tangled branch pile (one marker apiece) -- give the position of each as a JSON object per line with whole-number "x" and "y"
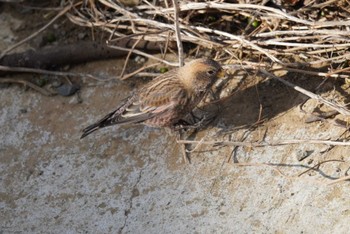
{"x": 310, "y": 33}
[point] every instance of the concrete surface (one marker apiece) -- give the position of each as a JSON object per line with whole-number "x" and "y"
{"x": 132, "y": 179}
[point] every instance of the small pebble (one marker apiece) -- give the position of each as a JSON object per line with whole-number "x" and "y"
{"x": 140, "y": 59}
{"x": 67, "y": 89}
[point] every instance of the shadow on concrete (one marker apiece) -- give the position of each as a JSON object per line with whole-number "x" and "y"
{"x": 247, "y": 106}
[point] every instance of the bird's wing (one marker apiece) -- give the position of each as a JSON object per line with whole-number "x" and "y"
{"x": 163, "y": 94}
{"x": 160, "y": 96}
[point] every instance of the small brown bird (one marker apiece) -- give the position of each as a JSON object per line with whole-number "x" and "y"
{"x": 166, "y": 99}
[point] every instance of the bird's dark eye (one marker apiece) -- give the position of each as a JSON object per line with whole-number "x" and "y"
{"x": 210, "y": 72}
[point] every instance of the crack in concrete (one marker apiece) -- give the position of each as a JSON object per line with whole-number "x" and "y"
{"x": 134, "y": 193}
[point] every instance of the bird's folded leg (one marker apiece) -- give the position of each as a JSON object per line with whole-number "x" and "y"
{"x": 183, "y": 124}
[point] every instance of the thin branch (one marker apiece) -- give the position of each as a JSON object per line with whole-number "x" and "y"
{"x": 29, "y": 84}
{"x": 335, "y": 106}
{"x": 240, "y": 39}
{"x": 315, "y": 167}
{"x": 47, "y": 72}
{"x": 138, "y": 72}
{"x": 178, "y": 34}
{"x": 265, "y": 144}
{"x": 314, "y": 73}
{"x": 318, "y": 98}
{"x": 344, "y": 178}
{"x": 128, "y": 56}
{"x": 274, "y": 34}
{"x": 251, "y": 65}
{"x": 228, "y": 6}
{"x": 143, "y": 54}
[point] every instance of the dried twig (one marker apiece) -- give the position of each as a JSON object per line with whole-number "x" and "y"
{"x": 344, "y": 178}
{"x": 318, "y": 98}
{"x": 128, "y": 57}
{"x": 185, "y": 155}
{"x": 144, "y": 54}
{"x": 319, "y": 164}
{"x": 178, "y": 34}
{"x": 335, "y": 106}
{"x": 137, "y": 72}
{"x": 29, "y": 84}
{"x": 265, "y": 144}
{"x": 47, "y": 72}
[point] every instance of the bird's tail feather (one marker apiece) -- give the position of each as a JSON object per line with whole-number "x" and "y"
{"x": 106, "y": 121}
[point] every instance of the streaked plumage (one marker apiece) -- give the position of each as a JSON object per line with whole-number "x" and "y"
{"x": 167, "y": 99}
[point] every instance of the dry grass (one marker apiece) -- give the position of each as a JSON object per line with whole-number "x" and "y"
{"x": 314, "y": 35}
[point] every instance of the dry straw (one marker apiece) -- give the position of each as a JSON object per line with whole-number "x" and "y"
{"x": 314, "y": 35}
{"x": 312, "y": 38}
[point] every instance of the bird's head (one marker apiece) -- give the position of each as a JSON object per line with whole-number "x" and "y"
{"x": 200, "y": 74}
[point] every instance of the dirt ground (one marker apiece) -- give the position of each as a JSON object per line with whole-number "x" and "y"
{"x": 133, "y": 179}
